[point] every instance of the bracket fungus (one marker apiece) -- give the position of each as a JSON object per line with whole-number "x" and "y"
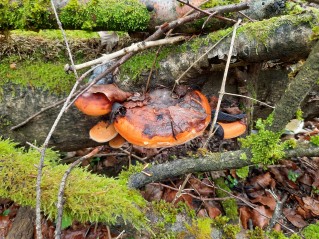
{"x": 161, "y": 119}
{"x": 98, "y": 100}
{"x": 230, "y": 130}
{"x": 103, "y": 132}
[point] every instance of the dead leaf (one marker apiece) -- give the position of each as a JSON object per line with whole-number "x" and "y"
{"x": 245, "y": 215}
{"x": 294, "y": 218}
{"x": 5, "y": 225}
{"x": 267, "y": 200}
{"x": 213, "y": 212}
{"x": 311, "y": 204}
{"x": 201, "y": 188}
{"x": 111, "y": 91}
{"x": 153, "y": 192}
{"x": 263, "y": 181}
{"x": 305, "y": 213}
{"x": 260, "y": 220}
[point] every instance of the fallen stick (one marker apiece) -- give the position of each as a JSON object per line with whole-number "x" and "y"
{"x": 135, "y": 47}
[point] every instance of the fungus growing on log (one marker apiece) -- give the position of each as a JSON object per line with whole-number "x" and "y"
{"x": 103, "y": 132}
{"x": 117, "y": 142}
{"x": 161, "y": 119}
{"x": 231, "y": 130}
{"x": 98, "y": 99}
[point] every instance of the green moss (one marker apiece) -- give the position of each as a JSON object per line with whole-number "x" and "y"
{"x": 126, "y": 15}
{"x": 143, "y": 61}
{"x": 242, "y": 172}
{"x": 299, "y": 114}
{"x": 37, "y": 74}
{"x": 57, "y": 34}
{"x": 200, "y": 228}
{"x": 88, "y": 197}
{"x": 280, "y": 235}
{"x": 229, "y": 205}
{"x": 215, "y": 3}
{"x": 315, "y": 140}
{"x": 257, "y": 233}
{"x": 262, "y": 31}
{"x": 311, "y": 231}
{"x": 28, "y": 14}
{"x": 230, "y": 231}
{"x": 265, "y": 146}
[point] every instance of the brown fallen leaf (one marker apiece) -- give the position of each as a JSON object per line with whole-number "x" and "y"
{"x": 311, "y": 204}
{"x": 260, "y": 220}
{"x": 263, "y": 181}
{"x": 267, "y": 200}
{"x": 201, "y": 188}
{"x": 294, "y": 218}
{"x": 111, "y": 91}
{"x": 153, "y": 192}
{"x": 5, "y": 225}
{"x": 304, "y": 212}
{"x": 245, "y": 215}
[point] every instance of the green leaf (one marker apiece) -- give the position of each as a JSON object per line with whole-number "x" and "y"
{"x": 66, "y": 221}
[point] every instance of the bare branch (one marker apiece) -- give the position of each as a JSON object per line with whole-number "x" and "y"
{"x": 136, "y": 47}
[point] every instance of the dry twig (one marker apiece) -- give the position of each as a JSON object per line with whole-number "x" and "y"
{"x": 46, "y": 142}
{"x": 222, "y": 88}
{"x": 62, "y": 187}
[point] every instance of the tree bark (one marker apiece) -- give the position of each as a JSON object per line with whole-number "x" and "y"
{"x": 23, "y": 224}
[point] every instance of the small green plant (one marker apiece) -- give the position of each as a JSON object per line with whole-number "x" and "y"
{"x": 242, "y": 172}
{"x": 200, "y": 228}
{"x": 293, "y": 176}
{"x": 315, "y": 140}
{"x": 232, "y": 182}
{"x": 265, "y": 146}
{"x": 299, "y": 114}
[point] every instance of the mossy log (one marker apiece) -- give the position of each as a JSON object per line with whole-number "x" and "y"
{"x": 279, "y": 39}
{"x": 22, "y": 99}
{"x": 120, "y": 15}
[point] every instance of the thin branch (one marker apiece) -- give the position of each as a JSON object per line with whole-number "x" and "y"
{"x": 46, "y": 142}
{"x": 60, "y": 202}
{"x": 135, "y": 47}
{"x": 222, "y": 88}
{"x": 196, "y": 8}
{"x": 247, "y": 97}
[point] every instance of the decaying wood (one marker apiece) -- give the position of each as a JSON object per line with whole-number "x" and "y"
{"x": 23, "y": 225}
{"x": 206, "y": 163}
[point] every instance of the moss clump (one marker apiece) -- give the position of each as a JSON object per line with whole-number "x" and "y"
{"x": 257, "y": 233}
{"x": 265, "y": 146}
{"x": 315, "y": 140}
{"x": 88, "y": 197}
{"x": 125, "y": 15}
{"x": 215, "y": 3}
{"x": 143, "y": 61}
{"x": 200, "y": 228}
{"x": 57, "y": 34}
{"x": 37, "y": 74}
{"x": 280, "y": 235}
{"x": 242, "y": 172}
{"x": 262, "y": 31}
{"x": 229, "y": 205}
{"x": 299, "y": 114}
{"x": 311, "y": 231}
